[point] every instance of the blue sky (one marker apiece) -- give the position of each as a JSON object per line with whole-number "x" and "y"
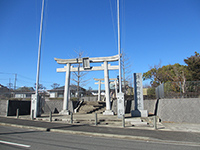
{"x": 152, "y": 31}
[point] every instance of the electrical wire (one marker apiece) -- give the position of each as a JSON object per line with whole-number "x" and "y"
{"x": 113, "y": 23}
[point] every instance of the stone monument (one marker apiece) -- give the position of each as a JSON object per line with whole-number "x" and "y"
{"x": 138, "y": 96}
{"x": 120, "y": 105}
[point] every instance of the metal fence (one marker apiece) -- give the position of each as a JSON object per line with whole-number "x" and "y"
{"x": 188, "y": 89}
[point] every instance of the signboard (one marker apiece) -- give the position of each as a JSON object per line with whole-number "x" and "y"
{"x": 86, "y": 63}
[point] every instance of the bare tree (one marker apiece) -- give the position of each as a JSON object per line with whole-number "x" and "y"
{"x": 41, "y": 87}
{"x": 55, "y": 85}
{"x": 126, "y": 69}
{"x": 79, "y": 76}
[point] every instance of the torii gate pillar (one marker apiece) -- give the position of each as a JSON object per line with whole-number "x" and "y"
{"x": 108, "y": 110}
{"x": 65, "y": 110}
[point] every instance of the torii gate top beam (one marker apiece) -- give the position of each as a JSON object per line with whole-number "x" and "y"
{"x": 92, "y": 60}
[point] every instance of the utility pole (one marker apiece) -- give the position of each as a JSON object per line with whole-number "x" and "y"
{"x": 15, "y": 81}
{"x": 119, "y": 48}
{"x": 36, "y": 101}
{"x": 120, "y": 95}
{"x": 9, "y": 84}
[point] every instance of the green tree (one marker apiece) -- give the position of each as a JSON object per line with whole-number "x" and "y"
{"x": 177, "y": 73}
{"x": 193, "y": 67}
{"x": 154, "y": 74}
{"x": 158, "y": 75}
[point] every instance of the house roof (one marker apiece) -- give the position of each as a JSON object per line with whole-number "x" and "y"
{"x": 24, "y": 92}
{"x": 3, "y": 88}
{"x": 96, "y": 91}
{"x": 72, "y": 87}
{"x": 25, "y": 89}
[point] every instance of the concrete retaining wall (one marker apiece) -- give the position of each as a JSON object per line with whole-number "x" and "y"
{"x": 170, "y": 110}
{"x": 9, "y": 107}
{"x": 3, "y": 107}
{"x": 179, "y": 110}
{"x": 174, "y": 110}
{"x": 23, "y": 106}
{"x": 150, "y": 105}
{"x": 55, "y": 106}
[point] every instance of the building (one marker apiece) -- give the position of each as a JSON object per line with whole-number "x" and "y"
{"x": 4, "y": 92}
{"x": 24, "y": 92}
{"x": 59, "y": 92}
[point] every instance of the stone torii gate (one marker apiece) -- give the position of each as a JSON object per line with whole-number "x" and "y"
{"x": 99, "y": 82}
{"x": 86, "y": 67}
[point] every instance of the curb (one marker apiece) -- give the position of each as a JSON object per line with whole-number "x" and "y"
{"x": 23, "y": 126}
{"x": 81, "y": 132}
{"x": 103, "y": 134}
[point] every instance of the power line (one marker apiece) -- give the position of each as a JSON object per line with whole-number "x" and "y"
{"x": 115, "y": 34}
{"x": 6, "y": 73}
{"x": 26, "y": 77}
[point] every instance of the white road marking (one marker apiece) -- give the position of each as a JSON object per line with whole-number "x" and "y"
{"x": 16, "y": 144}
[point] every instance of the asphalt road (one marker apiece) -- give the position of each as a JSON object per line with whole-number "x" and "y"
{"x": 12, "y": 138}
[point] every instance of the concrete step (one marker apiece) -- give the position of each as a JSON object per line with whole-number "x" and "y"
{"x": 136, "y": 121}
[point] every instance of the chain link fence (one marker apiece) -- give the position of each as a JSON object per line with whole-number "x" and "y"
{"x": 188, "y": 89}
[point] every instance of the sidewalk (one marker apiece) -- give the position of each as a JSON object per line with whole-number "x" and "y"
{"x": 111, "y": 126}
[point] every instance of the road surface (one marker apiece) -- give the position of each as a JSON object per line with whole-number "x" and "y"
{"x": 12, "y": 138}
